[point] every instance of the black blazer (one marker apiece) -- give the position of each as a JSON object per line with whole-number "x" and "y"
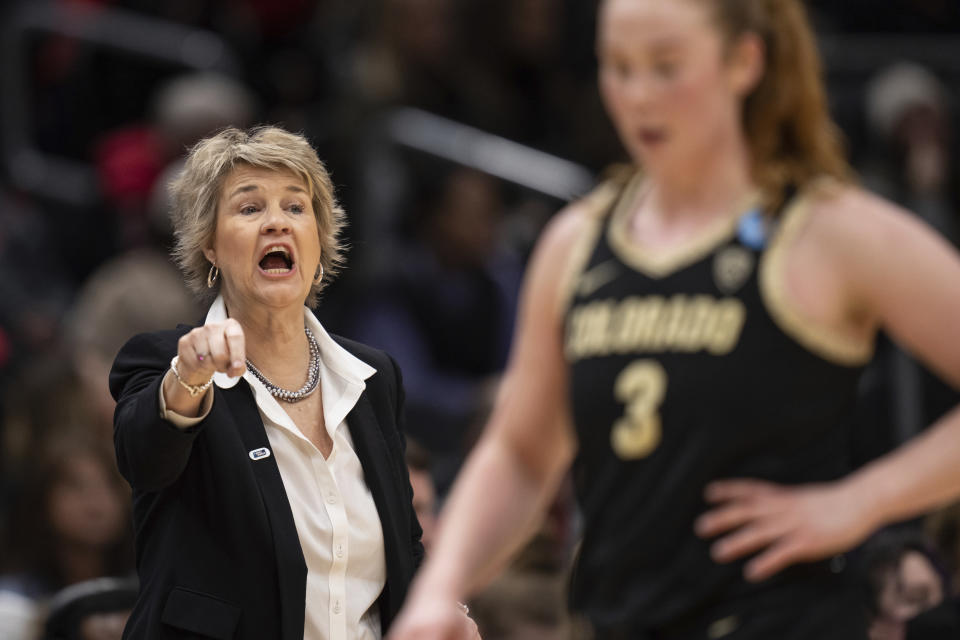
{"x": 217, "y": 550}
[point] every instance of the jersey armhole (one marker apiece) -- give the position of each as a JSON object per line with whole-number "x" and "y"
{"x": 816, "y": 338}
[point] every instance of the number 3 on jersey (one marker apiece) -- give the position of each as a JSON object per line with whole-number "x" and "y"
{"x": 641, "y": 386}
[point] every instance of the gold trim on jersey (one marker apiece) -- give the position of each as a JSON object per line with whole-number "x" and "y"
{"x": 596, "y": 205}
{"x": 659, "y": 263}
{"x": 818, "y": 339}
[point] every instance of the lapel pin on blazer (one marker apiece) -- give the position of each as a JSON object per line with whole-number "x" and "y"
{"x": 260, "y": 454}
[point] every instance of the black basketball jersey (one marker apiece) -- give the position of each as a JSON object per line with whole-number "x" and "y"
{"x": 684, "y": 369}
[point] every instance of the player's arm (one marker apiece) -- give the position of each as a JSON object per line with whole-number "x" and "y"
{"x": 908, "y": 277}
{"x": 515, "y": 469}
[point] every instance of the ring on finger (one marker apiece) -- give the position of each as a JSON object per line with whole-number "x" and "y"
{"x": 464, "y": 609}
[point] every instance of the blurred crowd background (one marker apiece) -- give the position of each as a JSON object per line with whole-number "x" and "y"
{"x": 453, "y": 130}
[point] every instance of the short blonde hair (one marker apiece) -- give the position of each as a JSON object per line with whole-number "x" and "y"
{"x": 195, "y": 196}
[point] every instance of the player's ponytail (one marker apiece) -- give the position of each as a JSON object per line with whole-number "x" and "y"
{"x": 791, "y": 135}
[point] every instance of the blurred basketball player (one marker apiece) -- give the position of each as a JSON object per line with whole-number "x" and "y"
{"x": 691, "y": 337}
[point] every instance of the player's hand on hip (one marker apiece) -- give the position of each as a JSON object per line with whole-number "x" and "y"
{"x": 782, "y": 525}
{"x": 215, "y": 347}
{"x": 436, "y": 619}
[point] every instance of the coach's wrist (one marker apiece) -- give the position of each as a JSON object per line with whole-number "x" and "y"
{"x": 175, "y": 398}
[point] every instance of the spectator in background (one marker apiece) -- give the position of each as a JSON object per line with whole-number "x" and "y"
{"x": 92, "y": 610}
{"x": 446, "y": 313}
{"x": 72, "y": 525}
{"x": 909, "y": 112}
{"x": 943, "y": 527}
{"x": 46, "y": 394}
{"x": 135, "y": 292}
{"x": 192, "y": 105}
{"x": 908, "y": 594}
{"x": 130, "y": 159}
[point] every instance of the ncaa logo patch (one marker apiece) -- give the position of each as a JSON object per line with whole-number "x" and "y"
{"x": 260, "y": 454}
{"x": 731, "y": 268}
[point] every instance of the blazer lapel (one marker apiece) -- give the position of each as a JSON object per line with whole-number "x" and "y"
{"x": 291, "y": 566}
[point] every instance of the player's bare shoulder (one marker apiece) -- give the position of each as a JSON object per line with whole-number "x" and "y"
{"x": 852, "y": 223}
{"x": 879, "y": 251}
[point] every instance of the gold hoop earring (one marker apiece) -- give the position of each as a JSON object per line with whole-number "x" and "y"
{"x": 318, "y": 276}
{"x": 212, "y": 275}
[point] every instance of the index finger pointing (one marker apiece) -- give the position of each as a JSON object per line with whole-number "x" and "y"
{"x": 236, "y": 346}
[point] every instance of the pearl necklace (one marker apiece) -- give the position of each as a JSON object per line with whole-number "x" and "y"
{"x": 313, "y": 375}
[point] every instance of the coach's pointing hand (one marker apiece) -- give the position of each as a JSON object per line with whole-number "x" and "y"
{"x": 217, "y": 346}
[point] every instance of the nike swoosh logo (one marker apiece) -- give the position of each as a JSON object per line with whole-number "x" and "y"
{"x": 597, "y": 276}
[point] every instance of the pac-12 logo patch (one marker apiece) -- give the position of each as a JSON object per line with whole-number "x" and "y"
{"x": 260, "y": 454}
{"x": 731, "y": 268}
